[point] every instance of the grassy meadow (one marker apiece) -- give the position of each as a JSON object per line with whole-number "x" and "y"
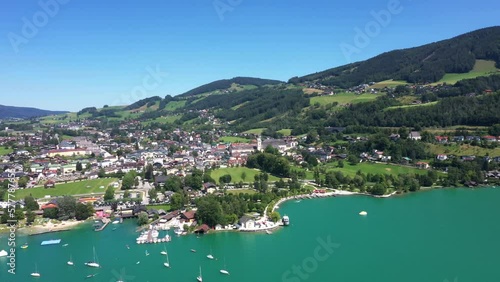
{"x": 236, "y": 172}
{"x": 73, "y": 188}
{"x": 344, "y": 98}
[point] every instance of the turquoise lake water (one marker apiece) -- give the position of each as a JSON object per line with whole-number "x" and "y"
{"x": 450, "y": 235}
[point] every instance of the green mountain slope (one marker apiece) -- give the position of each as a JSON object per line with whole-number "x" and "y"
{"x": 227, "y": 83}
{"x": 25, "y": 112}
{"x": 425, "y": 64}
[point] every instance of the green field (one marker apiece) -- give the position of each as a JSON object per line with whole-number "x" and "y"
{"x": 234, "y": 139}
{"x": 309, "y": 173}
{"x": 255, "y": 131}
{"x": 285, "y": 132}
{"x": 239, "y": 106}
{"x": 235, "y": 173}
{"x": 73, "y": 188}
{"x": 4, "y": 151}
{"x": 174, "y": 105}
{"x": 375, "y": 168}
{"x": 462, "y": 150}
{"x": 159, "y": 207}
{"x": 388, "y": 83}
{"x": 162, "y": 120}
{"x": 344, "y": 98}
{"x": 411, "y": 106}
{"x": 481, "y": 68}
{"x": 241, "y": 191}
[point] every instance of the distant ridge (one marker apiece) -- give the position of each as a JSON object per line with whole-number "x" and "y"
{"x": 424, "y": 64}
{"x": 25, "y": 112}
{"x": 226, "y": 83}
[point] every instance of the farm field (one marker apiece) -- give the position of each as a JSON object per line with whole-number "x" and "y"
{"x": 481, "y": 68}
{"x": 254, "y": 131}
{"x": 4, "y": 151}
{"x": 388, "y": 83}
{"x": 236, "y": 172}
{"x": 234, "y": 139}
{"x": 73, "y": 188}
{"x": 462, "y": 150}
{"x": 375, "y": 168}
{"x": 344, "y": 98}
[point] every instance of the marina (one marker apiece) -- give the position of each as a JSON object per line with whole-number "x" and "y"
{"x": 151, "y": 236}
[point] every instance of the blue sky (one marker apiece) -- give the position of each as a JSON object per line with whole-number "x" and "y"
{"x": 92, "y": 53}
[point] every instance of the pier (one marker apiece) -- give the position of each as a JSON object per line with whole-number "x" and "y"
{"x": 104, "y": 220}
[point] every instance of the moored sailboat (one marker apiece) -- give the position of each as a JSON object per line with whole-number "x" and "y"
{"x": 167, "y": 263}
{"x": 93, "y": 263}
{"x": 35, "y": 274}
{"x": 199, "y": 278}
{"x": 70, "y": 261}
{"x": 224, "y": 271}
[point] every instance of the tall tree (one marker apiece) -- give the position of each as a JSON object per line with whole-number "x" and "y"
{"x": 109, "y": 194}
{"x": 30, "y": 203}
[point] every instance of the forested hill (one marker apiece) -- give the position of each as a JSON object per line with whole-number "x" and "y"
{"x": 424, "y": 64}
{"x": 24, "y": 112}
{"x": 227, "y": 83}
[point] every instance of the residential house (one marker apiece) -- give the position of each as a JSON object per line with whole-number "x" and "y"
{"x": 66, "y": 145}
{"x": 67, "y": 153}
{"x": 189, "y": 216}
{"x": 468, "y": 158}
{"x": 442, "y": 157}
{"x": 49, "y": 184}
{"x": 160, "y": 180}
{"x": 415, "y": 135}
{"x": 247, "y": 222}
{"x": 441, "y": 139}
{"x": 458, "y": 138}
{"x": 422, "y": 165}
{"x": 490, "y": 138}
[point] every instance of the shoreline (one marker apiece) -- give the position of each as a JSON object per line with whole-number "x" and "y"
{"x": 51, "y": 227}
{"x": 337, "y": 192}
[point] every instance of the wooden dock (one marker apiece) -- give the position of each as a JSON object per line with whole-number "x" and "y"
{"x": 106, "y": 221}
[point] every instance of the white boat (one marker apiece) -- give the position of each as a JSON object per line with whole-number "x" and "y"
{"x": 138, "y": 262}
{"x": 115, "y": 222}
{"x": 35, "y": 274}
{"x": 167, "y": 263}
{"x": 286, "y": 220}
{"x": 3, "y": 253}
{"x": 70, "y": 261}
{"x": 224, "y": 271}
{"x": 155, "y": 233}
{"x": 363, "y": 213}
{"x": 269, "y": 232}
{"x": 200, "y": 278}
{"x": 178, "y": 231}
{"x": 210, "y": 256}
{"x": 164, "y": 252}
{"x": 93, "y": 263}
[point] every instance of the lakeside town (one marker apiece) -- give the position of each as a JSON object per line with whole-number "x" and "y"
{"x": 162, "y": 177}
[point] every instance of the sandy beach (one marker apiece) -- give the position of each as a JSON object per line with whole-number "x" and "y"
{"x": 51, "y": 227}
